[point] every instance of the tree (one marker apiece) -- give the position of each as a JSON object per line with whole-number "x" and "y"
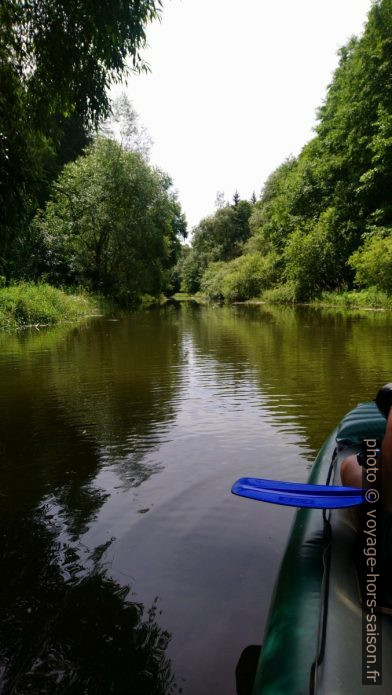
{"x": 123, "y": 125}
{"x": 272, "y": 216}
{"x": 220, "y": 237}
{"x": 311, "y": 259}
{"x": 112, "y": 223}
{"x": 191, "y": 267}
{"x": 373, "y": 261}
{"x": 67, "y": 53}
{"x": 316, "y": 209}
{"x": 253, "y": 198}
{"x": 57, "y": 59}
{"x": 220, "y": 199}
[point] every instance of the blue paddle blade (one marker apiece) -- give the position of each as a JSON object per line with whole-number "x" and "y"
{"x": 298, "y": 494}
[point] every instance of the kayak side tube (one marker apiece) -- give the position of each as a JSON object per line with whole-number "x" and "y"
{"x": 292, "y": 632}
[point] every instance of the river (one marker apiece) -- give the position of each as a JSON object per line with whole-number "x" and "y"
{"x": 127, "y": 567}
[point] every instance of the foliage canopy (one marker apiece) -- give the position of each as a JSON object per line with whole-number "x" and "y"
{"x": 57, "y": 59}
{"x": 112, "y": 223}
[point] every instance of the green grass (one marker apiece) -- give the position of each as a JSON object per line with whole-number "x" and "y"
{"x": 28, "y": 304}
{"x": 281, "y": 294}
{"x": 370, "y": 298}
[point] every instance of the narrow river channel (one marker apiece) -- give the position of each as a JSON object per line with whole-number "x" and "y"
{"x": 127, "y": 567}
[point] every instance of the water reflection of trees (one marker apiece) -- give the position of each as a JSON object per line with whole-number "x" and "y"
{"x": 121, "y": 386}
{"x": 95, "y": 396}
{"x": 66, "y": 627}
{"x": 311, "y": 365}
{"x": 72, "y": 402}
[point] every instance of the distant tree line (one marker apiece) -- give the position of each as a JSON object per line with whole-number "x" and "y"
{"x": 324, "y": 219}
{"x": 218, "y": 238}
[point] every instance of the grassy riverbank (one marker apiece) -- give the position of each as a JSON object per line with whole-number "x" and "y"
{"x": 370, "y": 298}
{"x": 28, "y": 304}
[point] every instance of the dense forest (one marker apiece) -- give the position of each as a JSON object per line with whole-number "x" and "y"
{"x": 324, "y": 219}
{"x": 80, "y": 205}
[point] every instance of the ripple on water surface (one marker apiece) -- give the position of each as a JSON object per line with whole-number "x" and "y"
{"x": 119, "y": 442}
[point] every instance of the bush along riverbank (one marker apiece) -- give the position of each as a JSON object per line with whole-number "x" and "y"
{"x": 369, "y": 298}
{"x": 28, "y": 304}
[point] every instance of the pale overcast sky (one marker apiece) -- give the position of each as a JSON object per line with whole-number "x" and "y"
{"x": 234, "y": 88}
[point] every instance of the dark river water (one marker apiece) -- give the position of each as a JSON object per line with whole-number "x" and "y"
{"x": 127, "y": 567}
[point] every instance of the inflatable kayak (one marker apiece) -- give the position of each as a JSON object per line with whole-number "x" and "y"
{"x": 313, "y": 640}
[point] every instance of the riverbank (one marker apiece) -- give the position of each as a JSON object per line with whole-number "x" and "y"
{"x": 27, "y": 304}
{"x": 371, "y": 299}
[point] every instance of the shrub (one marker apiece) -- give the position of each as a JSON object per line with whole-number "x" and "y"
{"x": 373, "y": 262}
{"x": 190, "y": 268}
{"x": 241, "y": 279}
{"x": 248, "y": 276}
{"x": 282, "y": 294}
{"x": 310, "y": 258}
{"x": 212, "y": 280}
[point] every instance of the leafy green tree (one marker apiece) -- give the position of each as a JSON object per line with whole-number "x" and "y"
{"x": 322, "y": 205}
{"x": 316, "y": 209}
{"x": 112, "y": 223}
{"x": 219, "y": 237}
{"x": 190, "y": 269}
{"x": 222, "y": 235}
{"x": 272, "y": 215}
{"x": 355, "y": 126}
{"x": 67, "y": 53}
{"x": 311, "y": 259}
{"x": 211, "y": 283}
{"x": 57, "y": 59}
{"x": 373, "y": 261}
{"x": 241, "y": 232}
